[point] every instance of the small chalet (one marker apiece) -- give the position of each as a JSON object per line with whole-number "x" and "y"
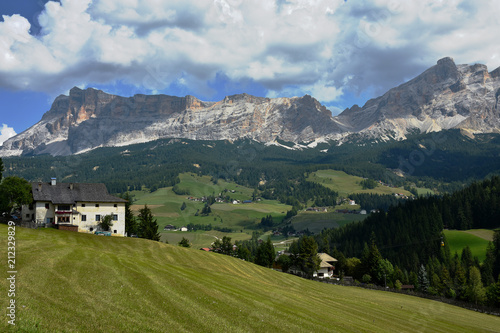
{"x": 74, "y": 206}
{"x": 326, "y": 267}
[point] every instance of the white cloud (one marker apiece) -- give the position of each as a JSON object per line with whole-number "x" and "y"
{"x": 320, "y": 47}
{"x": 6, "y": 133}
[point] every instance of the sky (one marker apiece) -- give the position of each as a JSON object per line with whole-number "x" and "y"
{"x": 342, "y": 52}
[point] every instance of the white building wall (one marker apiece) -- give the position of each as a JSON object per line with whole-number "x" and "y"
{"x": 38, "y": 213}
{"x": 91, "y": 209}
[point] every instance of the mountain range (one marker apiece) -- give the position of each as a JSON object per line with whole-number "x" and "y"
{"x": 444, "y": 96}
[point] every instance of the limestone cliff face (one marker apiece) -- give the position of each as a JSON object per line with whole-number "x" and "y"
{"x": 443, "y": 97}
{"x": 87, "y": 119}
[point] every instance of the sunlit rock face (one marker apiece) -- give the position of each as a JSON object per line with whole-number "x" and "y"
{"x": 444, "y": 96}
{"x": 87, "y": 119}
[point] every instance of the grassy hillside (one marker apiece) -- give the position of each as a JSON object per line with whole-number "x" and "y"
{"x": 346, "y": 184}
{"x": 476, "y": 239}
{"x": 241, "y": 218}
{"x": 75, "y": 282}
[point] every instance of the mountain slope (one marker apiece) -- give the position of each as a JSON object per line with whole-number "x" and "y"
{"x": 87, "y": 119}
{"x": 68, "y": 281}
{"x": 444, "y": 96}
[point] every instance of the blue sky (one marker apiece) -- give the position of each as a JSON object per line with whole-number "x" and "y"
{"x": 340, "y": 52}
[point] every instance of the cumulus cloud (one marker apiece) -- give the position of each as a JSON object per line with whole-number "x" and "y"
{"x": 320, "y": 47}
{"x": 6, "y": 133}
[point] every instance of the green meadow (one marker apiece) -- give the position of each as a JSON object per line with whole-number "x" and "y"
{"x": 346, "y": 184}
{"x": 73, "y": 282}
{"x": 240, "y": 218}
{"x": 476, "y": 239}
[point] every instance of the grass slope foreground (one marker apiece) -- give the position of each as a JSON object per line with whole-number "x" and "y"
{"x": 74, "y": 282}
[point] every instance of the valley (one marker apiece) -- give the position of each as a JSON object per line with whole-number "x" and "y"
{"x": 399, "y": 194}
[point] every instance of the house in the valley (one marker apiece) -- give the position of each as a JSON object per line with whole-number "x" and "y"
{"x": 74, "y": 206}
{"x": 326, "y": 267}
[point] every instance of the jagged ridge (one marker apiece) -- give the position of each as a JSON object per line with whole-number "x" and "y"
{"x": 444, "y": 96}
{"x": 90, "y": 118}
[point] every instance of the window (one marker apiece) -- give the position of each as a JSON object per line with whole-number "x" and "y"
{"x": 83, "y": 205}
{"x": 50, "y": 220}
{"x": 84, "y": 218}
{"x": 27, "y": 216}
{"x": 47, "y": 206}
{"x": 98, "y": 218}
{"x": 91, "y": 229}
{"x": 115, "y": 205}
{"x": 114, "y": 231}
{"x": 97, "y": 205}
{"x": 115, "y": 217}
{"x": 30, "y": 207}
{"x": 64, "y": 207}
{"x": 63, "y": 219}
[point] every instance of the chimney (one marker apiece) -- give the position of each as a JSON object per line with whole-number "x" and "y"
{"x": 53, "y": 181}
{"x": 39, "y": 187}
{"x": 71, "y": 186}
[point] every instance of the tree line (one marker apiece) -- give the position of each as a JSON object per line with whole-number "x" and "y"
{"x": 406, "y": 245}
{"x": 157, "y": 164}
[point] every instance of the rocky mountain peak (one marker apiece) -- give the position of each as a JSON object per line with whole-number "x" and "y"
{"x": 444, "y": 96}
{"x": 90, "y": 118}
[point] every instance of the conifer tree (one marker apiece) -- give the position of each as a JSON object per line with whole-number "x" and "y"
{"x": 130, "y": 221}
{"x": 265, "y": 254}
{"x": 148, "y": 226}
{"x": 475, "y": 290}
{"x": 308, "y": 256}
{"x": 423, "y": 279}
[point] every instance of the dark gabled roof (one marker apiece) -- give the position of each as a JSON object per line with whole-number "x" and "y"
{"x": 66, "y": 193}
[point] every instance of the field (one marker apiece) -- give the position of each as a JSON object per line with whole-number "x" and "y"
{"x": 241, "y": 218}
{"x": 476, "y": 239}
{"x": 75, "y": 282}
{"x": 346, "y": 184}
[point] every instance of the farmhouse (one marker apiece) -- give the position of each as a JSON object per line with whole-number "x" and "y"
{"x": 81, "y": 206}
{"x": 326, "y": 267}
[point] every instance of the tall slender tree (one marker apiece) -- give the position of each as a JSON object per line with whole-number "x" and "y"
{"x": 308, "y": 256}
{"x": 130, "y": 220}
{"x": 265, "y": 253}
{"x": 148, "y": 226}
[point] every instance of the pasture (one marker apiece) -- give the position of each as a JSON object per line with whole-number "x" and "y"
{"x": 74, "y": 282}
{"x": 241, "y": 218}
{"x": 345, "y": 184}
{"x": 476, "y": 239}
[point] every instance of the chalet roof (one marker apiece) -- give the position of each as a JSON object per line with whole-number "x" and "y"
{"x": 326, "y": 260}
{"x": 326, "y": 257}
{"x": 66, "y": 193}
